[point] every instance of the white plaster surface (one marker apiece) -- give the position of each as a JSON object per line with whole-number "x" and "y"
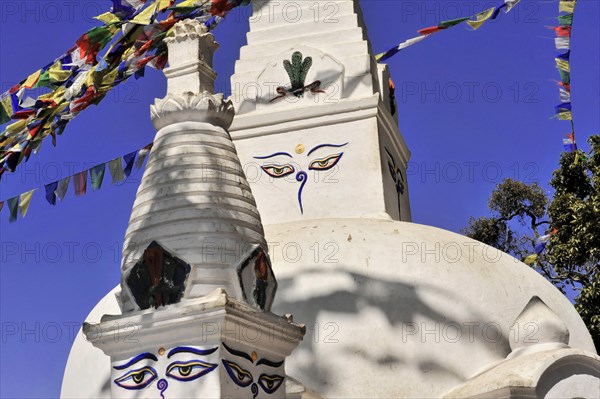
{"x": 384, "y": 302}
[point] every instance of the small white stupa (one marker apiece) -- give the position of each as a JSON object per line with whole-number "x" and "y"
{"x": 393, "y": 309}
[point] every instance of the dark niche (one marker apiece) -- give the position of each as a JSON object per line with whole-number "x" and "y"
{"x": 158, "y": 278}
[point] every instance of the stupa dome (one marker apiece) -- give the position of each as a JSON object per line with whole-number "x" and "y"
{"x": 392, "y": 309}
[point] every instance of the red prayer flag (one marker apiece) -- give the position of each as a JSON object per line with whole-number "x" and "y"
{"x": 430, "y": 30}
{"x": 80, "y": 183}
{"x": 220, "y": 7}
{"x": 562, "y": 31}
{"x": 567, "y": 86}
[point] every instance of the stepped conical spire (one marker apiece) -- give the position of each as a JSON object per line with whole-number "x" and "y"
{"x": 196, "y": 281}
{"x": 194, "y": 225}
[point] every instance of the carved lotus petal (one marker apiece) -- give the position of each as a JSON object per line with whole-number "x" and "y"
{"x": 190, "y": 107}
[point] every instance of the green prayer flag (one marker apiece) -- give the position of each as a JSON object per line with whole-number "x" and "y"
{"x": 565, "y": 76}
{"x": 566, "y": 19}
{"x": 101, "y": 35}
{"x": 44, "y": 80}
{"x": 451, "y": 22}
{"x": 97, "y": 174}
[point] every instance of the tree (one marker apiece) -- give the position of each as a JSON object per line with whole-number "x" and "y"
{"x": 558, "y": 236}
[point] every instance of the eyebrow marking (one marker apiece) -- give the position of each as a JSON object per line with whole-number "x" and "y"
{"x": 326, "y": 145}
{"x": 136, "y": 359}
{"x": 274, "y": 155}
{"x": 186, "y": 349}
{"x": 269, "y": 363}
{"x": 238, "y": 353}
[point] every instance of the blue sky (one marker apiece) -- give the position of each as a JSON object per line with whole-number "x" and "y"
{"x": 474, "y": 108}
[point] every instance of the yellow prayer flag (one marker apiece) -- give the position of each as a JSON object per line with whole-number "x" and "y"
{"x": 7, "y": 105}
{"x": 188, "y": 3}
{"x": 57, "y": 74}
{"x": 162, "y": 4}
{"x": 107, "y": 18}
{"x": 18, "y": 126}
{"x": 563, "y": 65}
{"x": 481, "y": 18}
{"x": 566, "y": 6}
{"x": 145, "y": 17}
{"x": 32, "y": 79}
{"x": 24, "y": 201}
{"x": 565, "y": 116}
{"x": 576, "y": 161}
{"x": 531, "y": 259}
{"x": 109, "y": 79}
{"x": 55, "y": 95}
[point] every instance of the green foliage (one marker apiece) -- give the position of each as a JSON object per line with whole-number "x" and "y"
{"x": 572, "y": 215}
{"x": 588, "y": 306}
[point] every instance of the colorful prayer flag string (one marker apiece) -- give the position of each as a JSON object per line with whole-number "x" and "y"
{"x": 474, "y": 22}
{"x": 564, "y": 111}
{"x": 81, "y": 77}
{"x": 119, "y": 168}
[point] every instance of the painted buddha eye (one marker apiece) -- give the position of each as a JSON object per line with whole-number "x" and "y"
{"x": 325, "y": 163}
{"x": 240, "y": 376}
{"x": 277, "y": 171}
{"x": 270, "y": 383}
{"x": 189, "y": 371}
{"x": 137, "y": 379}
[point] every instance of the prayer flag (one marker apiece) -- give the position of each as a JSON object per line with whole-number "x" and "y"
{"x": 430, "y": 30}
{"x": 481, "y": 18}
{"x": 116, "y": 170}
{"x": 562, "y": 31}
{"x": 62, "y": 188}
{"x": 51, "y": 192}
{"x": 510, "y": 4}
{"x": 565, "y": 116}
{"x": 565, "y": 96}
{"x": 80, "y": 183}
{"x": 13, "y": 206}
{"x": 566, "y": 6}
{"x": 562, "y": 65}
{"x": 562, "y": 43}
{"x": 97, "y": 175}
{"x": 566, "y": 19}
{"x": 142, "y": 156}
{"x": 569, "y": 145}
{"x": 565, "y": 77}
{"x": 393, "y": 51}
{"x": 129, "y": 158}
{"x": 452, "y": 22}
{"x": 24, "y": 201}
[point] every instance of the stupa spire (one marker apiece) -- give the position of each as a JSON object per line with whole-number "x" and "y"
{"x": 194, "y": 202}
{"x": 197, "y": 283}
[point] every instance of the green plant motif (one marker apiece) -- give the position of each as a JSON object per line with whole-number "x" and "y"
{"x": 297, "y": 69}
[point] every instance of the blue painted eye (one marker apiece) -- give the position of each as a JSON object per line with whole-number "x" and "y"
{"x": 189, "y": 371}
{"x": 325, "y": 163}
{"x": 137, "y": 379}
{"x": 277, "y": 171}
{"x": 240, "y": 376}
{"x": 270, "y": 383}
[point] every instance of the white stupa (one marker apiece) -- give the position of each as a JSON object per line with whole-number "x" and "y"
{"x": 391, "y": 308}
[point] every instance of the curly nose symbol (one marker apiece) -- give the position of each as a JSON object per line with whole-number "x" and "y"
{"x": 162, "y": 387}
{"x": 301, "y": 177}
{"x": 254, "y": 390}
